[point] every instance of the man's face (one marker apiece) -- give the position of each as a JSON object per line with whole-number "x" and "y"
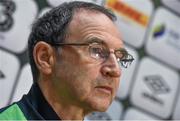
{"x": 78, "y": 78}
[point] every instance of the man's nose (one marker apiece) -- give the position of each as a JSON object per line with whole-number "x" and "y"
{"x": 111, "y": 67}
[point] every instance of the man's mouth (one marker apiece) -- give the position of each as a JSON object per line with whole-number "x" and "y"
{"x": 105, "y": 89}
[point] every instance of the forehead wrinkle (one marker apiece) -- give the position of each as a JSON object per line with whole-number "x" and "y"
{"x": 96, "y": 27}
{"x": 90, "y": 24}
{"x": 97, "y": 32}
{"x": 90, "y": 31}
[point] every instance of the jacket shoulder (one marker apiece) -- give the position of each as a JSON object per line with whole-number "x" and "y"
{"x": 12, "y": 112}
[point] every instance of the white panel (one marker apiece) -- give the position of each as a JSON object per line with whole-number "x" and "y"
{"x": 9, "y": 67}
{"x": 164, "y": 38}
{"x": 155, "y": 88}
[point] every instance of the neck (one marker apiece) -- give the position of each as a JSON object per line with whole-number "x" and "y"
{"x": 63, "y": 108}
{"x": 68, "y": 112}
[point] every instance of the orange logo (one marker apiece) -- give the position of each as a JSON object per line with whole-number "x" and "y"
{"x": 128, "y": 11}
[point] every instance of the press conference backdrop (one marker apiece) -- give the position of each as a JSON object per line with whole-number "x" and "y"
{"x": 149, "y": 89}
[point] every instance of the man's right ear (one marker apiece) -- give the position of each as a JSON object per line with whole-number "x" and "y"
{"x": 44, "y": 57}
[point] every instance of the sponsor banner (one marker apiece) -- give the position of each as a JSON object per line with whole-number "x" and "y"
{"x": 133, "y": 19}
{"x": 155, "y": 88}
{"x": 164, "y": 38}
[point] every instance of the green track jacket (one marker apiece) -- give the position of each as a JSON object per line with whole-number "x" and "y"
{"x": 32, "y": 106}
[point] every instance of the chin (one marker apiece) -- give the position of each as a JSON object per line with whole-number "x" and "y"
{"x": 97, "y": 109}
{"x": 102, "y": 109}
{"x": 100, "y": 106}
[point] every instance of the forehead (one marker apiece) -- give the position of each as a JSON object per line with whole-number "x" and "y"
{"x": 92, "y": 24}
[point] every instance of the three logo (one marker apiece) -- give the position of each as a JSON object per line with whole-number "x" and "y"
{"x": 7, "y": 8}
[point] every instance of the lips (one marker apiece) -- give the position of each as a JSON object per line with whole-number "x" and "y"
{"x": 105, "y": 89}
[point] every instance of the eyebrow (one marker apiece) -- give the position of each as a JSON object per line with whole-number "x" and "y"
{"x": 122, "y": 49}
{"x": 95, "y": 40}
{"x": 101, "y": 41}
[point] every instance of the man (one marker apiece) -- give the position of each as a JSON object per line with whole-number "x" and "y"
{"x": 75, "y": 53}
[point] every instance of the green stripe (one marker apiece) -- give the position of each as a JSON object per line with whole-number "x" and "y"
{"x": 12, "y": 113}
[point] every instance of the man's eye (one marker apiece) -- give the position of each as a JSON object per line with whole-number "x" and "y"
{"x": 118, "y": 59}
{"x": 119, "y": 56}
{"x": 97, "y": 52}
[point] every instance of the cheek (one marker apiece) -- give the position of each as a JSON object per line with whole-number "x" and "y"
{"x": 80, "y": 80}
{"x": 84, "y": 82}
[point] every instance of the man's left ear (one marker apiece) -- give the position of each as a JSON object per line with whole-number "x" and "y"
{"x": 44, "y": 57}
